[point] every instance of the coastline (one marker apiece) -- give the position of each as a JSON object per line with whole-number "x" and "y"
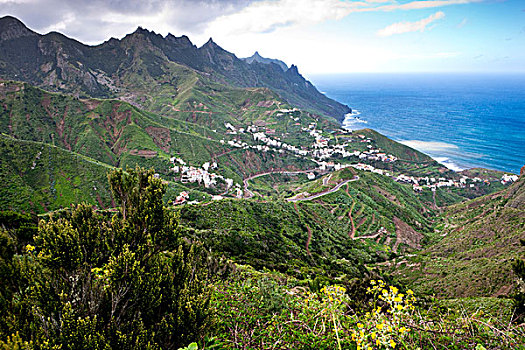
{"x": 476, "y": 120}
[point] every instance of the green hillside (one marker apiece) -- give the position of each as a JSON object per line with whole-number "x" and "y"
{"x": 39, "y": 177}
{"x": 473, "y": 250}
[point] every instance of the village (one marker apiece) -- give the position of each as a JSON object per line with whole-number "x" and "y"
{"x": 320, "y": 151}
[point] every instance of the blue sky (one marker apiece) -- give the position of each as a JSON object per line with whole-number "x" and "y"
{"x": 320, "y": 36}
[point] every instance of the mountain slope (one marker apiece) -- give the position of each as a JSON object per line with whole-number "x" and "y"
{"x": 39, "y": 177}
{"x": 473, "y": 254}
{"x": 119, "y": 134}
{"x": 127, "y": 68}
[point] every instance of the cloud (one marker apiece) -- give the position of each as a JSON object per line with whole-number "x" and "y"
{"x": 266, "y": 15}
{"x": 93, "y": 21}
{"x": 462, "y": 23}
{"x": 408, "y": 27}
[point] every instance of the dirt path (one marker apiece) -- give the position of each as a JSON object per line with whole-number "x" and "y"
{"x": 326, "y": 179}
{"x": 375, "y": 235}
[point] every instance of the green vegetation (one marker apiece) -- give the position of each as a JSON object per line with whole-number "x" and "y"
{"x": 472, "y": 253}
{"x": 95, "y": 282}
{"x": 288, "y": 263}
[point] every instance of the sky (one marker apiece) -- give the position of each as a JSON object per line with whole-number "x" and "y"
{"x": 319, "y": 36}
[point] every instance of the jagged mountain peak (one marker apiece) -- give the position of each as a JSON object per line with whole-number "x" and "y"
{"x": 256, "y": 57}
{"x": 182, "y": 41}
{"x": 13, "y": 28}
{"x": 210, "y": 44}
{"x": 90, "y": 70}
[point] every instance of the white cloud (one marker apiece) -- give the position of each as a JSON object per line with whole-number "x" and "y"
{"x": 421, "y": 4}
{"x": 407, "y": 27}
{"x": 266, "y": 16}
{"x": 462, "y": 23}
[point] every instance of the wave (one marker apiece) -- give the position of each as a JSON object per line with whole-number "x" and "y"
{"x": 430, "y": 146}
{"x": 449, "y": 164}
{"x": 352, "y": 120}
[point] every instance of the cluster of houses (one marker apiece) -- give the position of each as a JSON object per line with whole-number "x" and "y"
{"x": 419, "y": 183}
{"x": 505, "y": 179}
{"x": 190, "y": 174}
{"x": 320, "y": 151}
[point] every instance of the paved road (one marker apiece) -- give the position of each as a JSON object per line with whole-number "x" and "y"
{"x": 317, "y": 195}
{"x": 250, "y": 194}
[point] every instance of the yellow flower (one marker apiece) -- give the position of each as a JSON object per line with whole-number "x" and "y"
{"x": 359, "y": 325}
{"x": 398, "y": 299}
{"x": 410, "y": 292}
{"x": 379, "y": 326}
{"x": 402, "y": 330}
{"x": 392, "y": 344}
{"x": 378, "y": 342}
{"x": 399, "y": 307}
{"x": 29, "y": 248}
{"x": 373, "y": 335}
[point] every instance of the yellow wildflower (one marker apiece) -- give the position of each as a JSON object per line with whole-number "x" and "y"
{"x": 29, "y": 248}
{"x": 392, "y": 344}
{"x": 379, "y": 326}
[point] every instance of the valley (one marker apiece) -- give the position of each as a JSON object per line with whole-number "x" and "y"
{"x": 235, "y": 172}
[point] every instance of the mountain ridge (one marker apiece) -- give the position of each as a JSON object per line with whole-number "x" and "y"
{"x": 256, "y": 57}
{"x": 57, "y": 63}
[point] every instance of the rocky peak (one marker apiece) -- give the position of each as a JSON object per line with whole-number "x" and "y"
{"x": 256, "y": 57}
{"x": 210, "y": 44}
{"x": 293, "y": 70}
{"x": 12, "y": 28}
{"x": 182, "y": 41}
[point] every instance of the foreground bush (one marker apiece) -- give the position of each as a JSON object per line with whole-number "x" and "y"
{"x": 97, "y": 282}
{"x": 266, "y": 311}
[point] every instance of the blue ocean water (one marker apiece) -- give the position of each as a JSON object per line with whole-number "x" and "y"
{"x": 461, "y": 120}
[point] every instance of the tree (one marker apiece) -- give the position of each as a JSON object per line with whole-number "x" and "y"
{"x": 120, "y": 282}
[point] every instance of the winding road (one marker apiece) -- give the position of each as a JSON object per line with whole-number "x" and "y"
{"x": 317, "y": 195}
{"x": 250, "y": 194}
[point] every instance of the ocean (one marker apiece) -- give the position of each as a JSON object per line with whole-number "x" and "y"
{"x": 461, "y": 120}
